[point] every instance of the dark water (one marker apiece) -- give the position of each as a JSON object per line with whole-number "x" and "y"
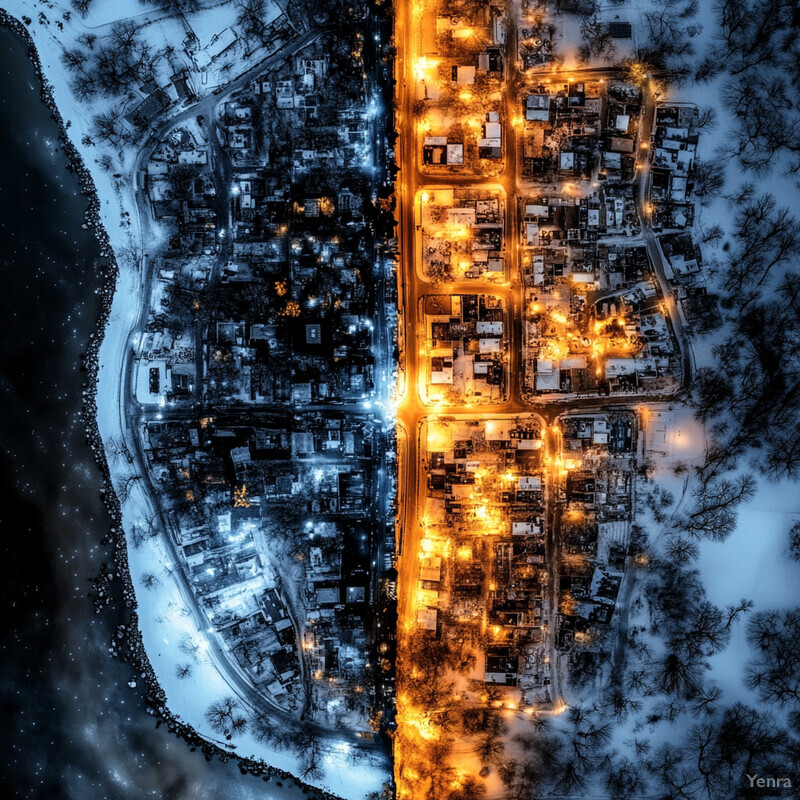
{"x": 69, "y": 725}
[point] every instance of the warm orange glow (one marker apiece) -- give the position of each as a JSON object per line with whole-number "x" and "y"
{"x": 467, "y": 500}
{"x": 422, "y": 65}
{"x": 424, "y": 727}
{"x": 240, "y": 499}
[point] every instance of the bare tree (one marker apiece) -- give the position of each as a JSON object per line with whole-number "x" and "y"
{"x": 707, "y": 118}
{"x": 794, "y": 541}
{"x": 733, "y": 611}
{"x": 81, "y": 6}
{"x": 667, "y": 765}
{"x": 183, "y": 670}
{"x": 308, "y": 746}
{"x": 87, "y": 39}
{"x": 597, "y": 40}
{"x": 252, "y": 19}
{"x": 621, "y": 705}
{"x": 490, "y": 748}
{"x": 681, "y": 550}
{"x": 676, "y": 674}
{"x": 118, "y": 448}
{"x": 277, "y": 735}
{"x": 469, "y": 789}
{"x": 150, "y": 580}
{"x": 668, "y": 36}
{"x": 709, "y": 179}
{"x": 760, "y": 133}
{"x": 124, "y": 59}
{"x": 767, "y": 236}
{"x": 144, "y": 529}
{"x": 624, "y": 779}
{"x": 125, "y": 487}
{"x": 774, "y": 671}
{"x": 225, "y": 717}
{"x": 189, "y": 647}
{"x": 716, "y": 507}
{"x": 713, "y": 234}
{"x": 573, "y": 777}
{"x": 706, "y": 702}
{"x": 706, "y": 631}
{"x": 73, "y": 59}
{"x": 84, "y": 86}
{"x": 173, "y": 6}
{"x": 109, "y": 127}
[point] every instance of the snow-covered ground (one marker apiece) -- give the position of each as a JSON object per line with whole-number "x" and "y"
{"x": 171, "y": 633}
{"x": 752, "y": 563}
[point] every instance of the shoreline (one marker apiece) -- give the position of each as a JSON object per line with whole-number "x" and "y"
{"x": 127, "y": 643}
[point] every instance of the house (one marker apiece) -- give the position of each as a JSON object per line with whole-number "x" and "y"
{"x": 463, "y": 76}
{"x": 436, "y": 150}
{"x": 547, "y": 378}
{"x": 220, "y": 43}
{"x": 180, "y": 80}
{"x": 427, "y": 618}
{"x": 620, "y": 144}
{"x": 143, "y": 114}
{"x": 285, "y": 664}
{"x": 537, "y": 108}
{"x": 313, "y": 333}
{"x": 501, "y": 666}
{"x": 491, "y": 145}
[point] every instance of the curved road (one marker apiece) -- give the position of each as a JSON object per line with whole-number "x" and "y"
{"x": 132, "y": 416}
